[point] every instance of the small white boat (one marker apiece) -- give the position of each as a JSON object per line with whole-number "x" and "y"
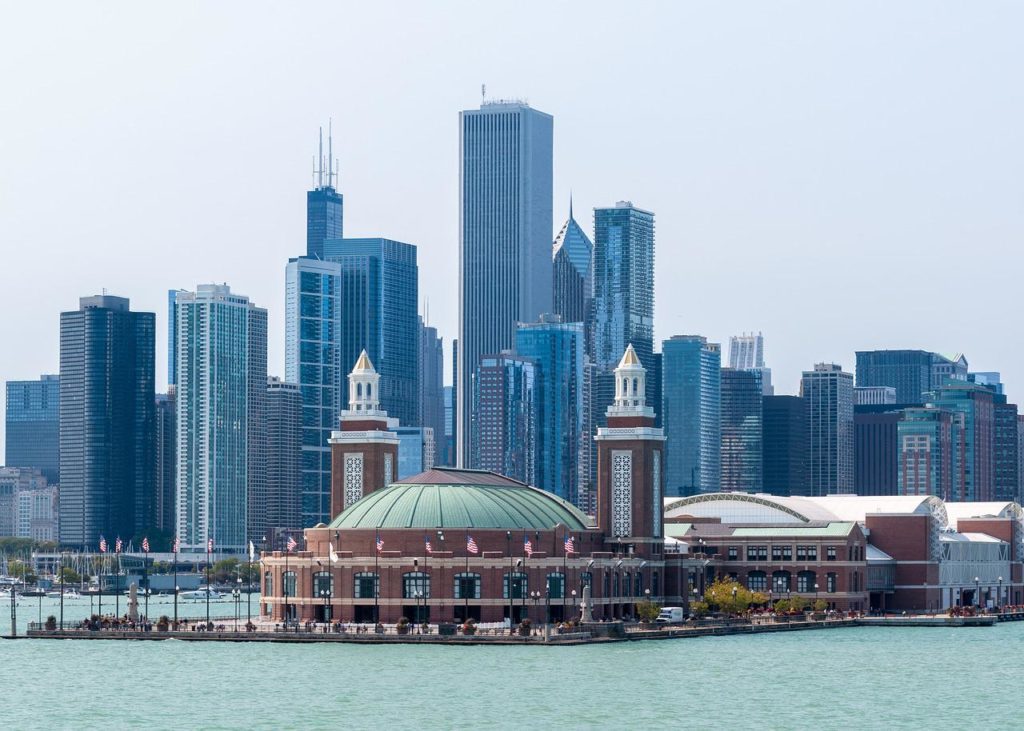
{"x": 68, "y": 594}
{"x": 200, "y": 595}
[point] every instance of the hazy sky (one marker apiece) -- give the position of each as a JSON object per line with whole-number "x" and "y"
{"x": 840, "y": 176}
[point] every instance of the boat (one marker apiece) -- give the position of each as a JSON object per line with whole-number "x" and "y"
{"x": 200, "y": 595}
{"x": 68, "y": 594}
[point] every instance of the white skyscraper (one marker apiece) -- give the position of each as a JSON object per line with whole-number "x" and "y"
{"x": 505, "y": 221}
{"x": 221, "y": 395}
{"x": 746, "y": 353}
{"x": 828, "y": 391}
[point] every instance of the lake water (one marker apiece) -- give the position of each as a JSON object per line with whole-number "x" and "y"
{"x": 874, "y": 678}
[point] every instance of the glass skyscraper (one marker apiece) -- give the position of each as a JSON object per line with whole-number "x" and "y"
{"x": 505, "y": 222}
{"x": 828, "y": 391}
{"x": 976, "y": 409}
{"x": 221, "y": 401}
{"x": 324, "y": 205}
{"x": 107, "y": 421}
{"x": 33, "y": 426}
{"x": 503, "y": 434}
{"x": 379, "y": 299}
{"x": 284, "y": 457}
{"x": 691, "y": 412}
{"x": 562, "y": 464}
{"x": 313, "y": 362}
{"x": 742, "y": 430}
{"x": 431, "y": 384}
{"x": 572, "y": 261}
{"x": 785, "y": 445}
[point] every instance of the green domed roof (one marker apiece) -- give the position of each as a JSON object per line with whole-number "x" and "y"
{"x": 449, "y": 498}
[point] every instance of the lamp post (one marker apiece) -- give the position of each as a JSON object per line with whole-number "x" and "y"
{"x": 61, "y": 590}
{"x": 508, "y": 539}
{"x": 977, "y": 592}
{"x": 236, "y": 594}
{"x": 815, "y": 594}
{"x": 535, "y": 596}
{"x": 522, "y": 587}
{"x": 573, "y": 602}
{"x": 440, "y": 537}
{"x": 999, "y": 596}
{"x": 325, "y": 594}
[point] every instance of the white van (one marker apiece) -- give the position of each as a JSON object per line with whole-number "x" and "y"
{"x": 670, "y": 614}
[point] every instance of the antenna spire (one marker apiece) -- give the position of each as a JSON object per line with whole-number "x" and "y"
{"x": 570, "y": 204}
{"x": 330, "y": 152}
{"x": 483, "y": 93}
{"x": 320, "y": 169}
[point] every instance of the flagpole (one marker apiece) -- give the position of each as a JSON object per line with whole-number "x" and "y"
{"x": 117, "y": 580}
{"x": 175, "y": 547}
{"x": 248, "y": 594}
{"x": 376, "y": 579}
{"x": 284, "y": 586}
{"x": 207, "y": 583}
{"x": 99, "y": 584}
{"x": 465, "y": 617}
{"x": 565, "y": 575}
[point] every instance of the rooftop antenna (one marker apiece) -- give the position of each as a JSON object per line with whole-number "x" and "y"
{"x": 483, "y": 93}
{"x": 320, "y": 168}
{"x": 570, "y": 204}
{"x": 330, "y": 152}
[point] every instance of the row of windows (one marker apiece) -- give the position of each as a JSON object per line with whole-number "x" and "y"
{"x": 417, "y": 585}
{"x": 786, "y": 553}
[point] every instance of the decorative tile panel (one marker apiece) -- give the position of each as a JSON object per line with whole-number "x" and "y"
{"x": 622, "y": 493}
{"x": 353, "y": 479}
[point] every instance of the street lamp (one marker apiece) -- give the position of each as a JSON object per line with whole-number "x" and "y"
{"x": 573, "y": 602}
{"x": 508, "y": 540}
{"x": 236, "y": 594}
{"x": 999, "y": 596}
{"x": 977, "y": 592}
{"x": 535, "y": 596}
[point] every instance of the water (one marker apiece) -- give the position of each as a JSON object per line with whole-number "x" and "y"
{"x": 864, "y": 678}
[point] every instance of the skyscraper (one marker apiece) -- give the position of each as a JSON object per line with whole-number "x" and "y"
{"x": 742, "y": 430}
{"x": 379, "y": 295}
{"x": 431, "y": 384}
{"x": 927, "y": 453}
{"x": 828, "y": 391}
{"x": 324, "y": 204}
{"x": 312, "y": 360}
{"x": 284, "y": 457}
{"x": 746, "y": 353}
{"x": 785, "y": 445}
{"x": 572, "y": 258}
{"x": 913, "y": 373}
{"x": 875, "y": 448}
{"x": 503, "y": 432}
{"x": 691, "y": 406}
{"x": 1005, "y": 461}
{"x": 505, "y": 221}
{"x": 221, "y": 401}
{"x": 107, "y": 421}
{"x": 562, "y": 463}
{"x": 975, "y": 406}
{"x": 448, "y": 456}
{"x": 33, "y": 426}
{"x": 166, "y": 466}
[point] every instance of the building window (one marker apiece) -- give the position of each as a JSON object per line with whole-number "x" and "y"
{"x": 586, "y": 579}
{"x": 607, "y": 584}
{"x": 654, "y": 584}
{"x": 734, "y": 553}
{"x": 353, "y": 478}
{"x": 366, "y": 585}
{"x": 781, "y": 582}
{"x": 323, "y": 582}
{"x": 519, "y": 586}
{"x": 615, "y": 585}
{"x": 757, "y": 553}
{"x": 467, "y": 586}
{"x": 415, "y": 582}
{"x": 830, "y": 582}
{"x": 806, "y": 553}
{"x": 268, "y": 584}
{"x": 757, "y": 581}
{"x": 638, "y": 584}
{"x": 556, "y": 586}
{"x": 622, "y": 493}
{"x": 782, "y": 553}
{"x": 657, "y": 505}
{"x": 806, "y": 581}
{"x": 830, "y": 553}
{"x": 289, "y": 583}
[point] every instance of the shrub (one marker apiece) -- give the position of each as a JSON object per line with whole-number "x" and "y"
{"x": 647, "y": 611}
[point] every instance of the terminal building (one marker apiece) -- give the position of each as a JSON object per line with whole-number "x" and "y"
{"x": 451, "y": 544}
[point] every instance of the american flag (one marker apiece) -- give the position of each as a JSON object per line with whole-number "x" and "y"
{"x": 471, "y": 544}
{"x": 117, "y": 545}
{"x": 527, "y": 546}
{"x": 103, "y": 544}
{"x": 209, "y": 545}
{"x": 380, "y": 543}
{"x": 426, "y": 540}
{"x": 177, "y": 544}
{"x": 570, "y": 545}
{"x": 145, "y": 544}
{"x": 292, "y": 544}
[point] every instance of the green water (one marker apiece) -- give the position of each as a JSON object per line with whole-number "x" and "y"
{"x": 874, "y": 678}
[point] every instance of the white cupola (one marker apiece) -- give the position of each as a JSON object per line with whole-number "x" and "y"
{"x": 363, "y": 383}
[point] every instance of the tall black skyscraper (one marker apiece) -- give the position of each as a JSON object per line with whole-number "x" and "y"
{"x": 165, "y": 466}
{"x": 785, "y": 445}
{"x": 431, "y": 384}
{"x": 324, "y": 204}
{"x": 107, "y": 421}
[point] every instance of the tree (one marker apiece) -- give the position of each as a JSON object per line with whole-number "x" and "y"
{"x": 799, "y": 603}
{"x": 728, "y": 595}
{"x": 70, "y": 575}
{"x": 647, "y": 611}
{"x": 21, "y": 570}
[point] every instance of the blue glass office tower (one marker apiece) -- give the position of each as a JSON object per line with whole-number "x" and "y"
{"x": 562, "y": 464}
{"x": 572, "y": 256}
{"x": 431, "y": 382}
{"x": 33, "y": 426}
{"x": 221, "y": 419}
{"x": 505, "y": 222}
{"x": 107, "y": 421}
{"x": 503, "y": 435}
{"x": 324, "y": 205}
{"x": 691, "y": 407}
{"x": 379, "y": 298}
{"x": 975, "y": 407}
{"x": 742, "y": 430}
{"x": 312, "y": 355}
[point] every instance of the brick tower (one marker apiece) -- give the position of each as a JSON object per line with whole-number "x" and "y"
{"x": 364, "y": 453}
{"x": 629, "y": 464}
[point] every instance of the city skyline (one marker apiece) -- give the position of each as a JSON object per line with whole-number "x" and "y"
{"x": 832, "y": 166}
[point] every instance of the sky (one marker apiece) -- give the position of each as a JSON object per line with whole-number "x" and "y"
{"x": 840, "y": 176}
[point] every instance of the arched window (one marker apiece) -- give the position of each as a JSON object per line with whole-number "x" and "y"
{"x": 467, "y": 586}
{"x": 415, "y": 582}
{"x": 323, "y": 584}
{"x": 369, "y": 390}
{"x": 806, "y": 581}
{"x": 638, "y": 584}
{"x": 556, "y": 586}
{"x": 636, "y": 386}
{"x": 268, "y": 584}
{"x": 519, "y": 586}
{"x": 615, "y": 585}
{"x": 365, "y": 585}
{"x": 359, "y": 390}
{"x": 625, "y": 386}
{"x": 654, "y": 584}
{"x": 757, "y": 581}
{"x": 780, "y": 582}
{"x": 289, "y": 583}
{"x": 607, "y": 584}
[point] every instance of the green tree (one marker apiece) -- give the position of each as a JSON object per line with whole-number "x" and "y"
{"x": 728, "y": 595}
{"x": 70, "y": 575}
{"x": 21, "y": 570}
{"x": 799, "y": 603}
{"x": 647, "y": 611}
